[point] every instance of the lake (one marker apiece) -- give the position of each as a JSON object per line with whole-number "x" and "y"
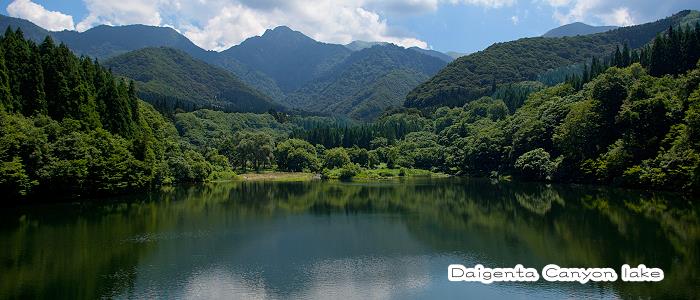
{"x": 355, "y": 240}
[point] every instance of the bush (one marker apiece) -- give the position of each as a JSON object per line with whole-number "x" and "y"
{"x": 536, "y": 165}
{"x": 336, "y": 158}
{"x": 296, "y": 155}
{"x": 349, "y": 171}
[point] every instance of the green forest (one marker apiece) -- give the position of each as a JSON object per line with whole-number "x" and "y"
{"x": 473, "y": 76}
{"x": 70, "y": 128}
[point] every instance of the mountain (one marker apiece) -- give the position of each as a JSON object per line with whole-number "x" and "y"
{"x": 437, "y": 54}
{"x": 105, "y": 41}
{"x": 167, "y": 76}
{"x": 289, "y": 57}
{"x": 367, "y": 82}
{"x": 455, "y": 55}
{"x": 577, "y": 28}
{"x": 474, "y": 75}
{"x": 360, "y": 45}
{"x": 31, "y": 31}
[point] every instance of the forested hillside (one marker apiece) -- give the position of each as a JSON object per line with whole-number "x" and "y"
{"x": 367, "y": 82}
{"x": 475, "y": 75}
{"x": 171, "y": 79}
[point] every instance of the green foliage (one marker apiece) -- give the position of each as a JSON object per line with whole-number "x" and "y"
{"x": 251, "y": 148}
{"x": 536, "y": 165}
{"x": 296, "y": 155}
{"x": 14, "y": 180}
{"x": 359, "y": 156}
{"x": 420, "y": 150}
{"x": 389, "y": 127}
{"x": 349, "y": 170}
{"x": 515, "y": 94}
{"x": 335, "y": 158}
{"x": 190, "y": 167}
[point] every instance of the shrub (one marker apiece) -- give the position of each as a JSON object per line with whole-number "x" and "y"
{"x": 349, "y": 171}
{"x": 536, "y": 164}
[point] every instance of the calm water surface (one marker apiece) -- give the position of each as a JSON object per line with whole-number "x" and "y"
{"x": 335, "y": 240}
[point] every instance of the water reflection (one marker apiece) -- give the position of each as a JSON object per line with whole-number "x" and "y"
{"x": 345, "y": 240}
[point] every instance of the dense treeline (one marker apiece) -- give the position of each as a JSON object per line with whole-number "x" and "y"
{"x": 391, "y": 127}
{"x": 69, "y": 127}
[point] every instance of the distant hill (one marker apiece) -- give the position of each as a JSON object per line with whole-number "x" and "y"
{"x": 170, "y": 75}
{"x": 455, "y": 55}
{"x": 289, "y": 57}
{"x": 107, "y": 41}
{"x": 367, "y": 82}
{"x": 437, "y": 54}
{"x": 31, "y": 31}
{"x": 361, "y": 45}
{"x": 474, "y": 75}
{"x": 577, "y": 28}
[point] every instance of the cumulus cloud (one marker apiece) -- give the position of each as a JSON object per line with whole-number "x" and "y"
{"x": 621, "y": 12}
{"x": 219, "y": 24}
{"x": 515, "y": 20}
{"x": 51, "y": 20}
{"x": 121, "y": 12}
{"x": 620, "y": 16}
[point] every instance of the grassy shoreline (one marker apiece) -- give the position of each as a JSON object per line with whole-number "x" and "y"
{"x": 365, "y": 174}
{"x": 278, "y": 176}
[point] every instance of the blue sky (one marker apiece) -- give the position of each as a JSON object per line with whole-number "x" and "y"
{"x": 443, "y": 25}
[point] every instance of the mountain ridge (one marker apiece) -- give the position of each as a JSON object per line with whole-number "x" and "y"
{"x": 171, "y": 77}
{"x": 352, "y": 88}
{"x": 473, "y": 76}
{"x": 577, "y": 28}
{"x": 287, "y": 56}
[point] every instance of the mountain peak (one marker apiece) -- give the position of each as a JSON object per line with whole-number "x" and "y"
{"x": 282, "y": 28}
{"x": 283, "y": 32}
{"x": 359, "y": 45}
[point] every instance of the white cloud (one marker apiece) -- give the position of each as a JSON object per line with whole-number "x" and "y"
{"x": 619, "y": 16}
{"x": 220, "y": 24}
{"x": 515, "y": 20}
{"x": 51, "y": 20}
{"x": 558, "y": 3}
{"x": 121, "y": 12}
{"x": 599, "y": 12}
